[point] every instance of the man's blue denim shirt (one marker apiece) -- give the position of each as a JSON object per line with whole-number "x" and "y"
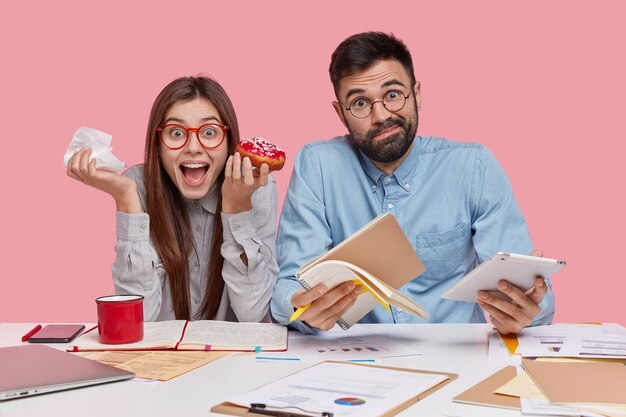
{"x": 452, "y": 199}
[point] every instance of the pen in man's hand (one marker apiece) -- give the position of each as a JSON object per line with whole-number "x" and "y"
{"x": 298, "y": 312}
{"x": 32, "y": 332}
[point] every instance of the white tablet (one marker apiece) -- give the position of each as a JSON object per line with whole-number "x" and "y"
{"x": 519, "y": 270}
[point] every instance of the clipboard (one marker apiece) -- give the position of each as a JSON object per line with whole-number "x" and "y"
{"x": 237, "y": 410}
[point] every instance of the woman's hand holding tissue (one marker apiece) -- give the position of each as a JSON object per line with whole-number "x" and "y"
{"x": 121, "y": 188}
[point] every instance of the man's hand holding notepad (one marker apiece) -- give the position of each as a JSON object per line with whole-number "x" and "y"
{"x": 357, "y": 283}
{"x": 378, "y": 258}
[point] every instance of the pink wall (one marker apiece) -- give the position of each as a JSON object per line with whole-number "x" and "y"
{"x": 540, "y": 83}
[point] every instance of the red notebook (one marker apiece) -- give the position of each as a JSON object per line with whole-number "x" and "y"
{"x": 195, "y": 335}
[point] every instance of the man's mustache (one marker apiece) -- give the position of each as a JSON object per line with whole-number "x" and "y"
{"x": 389, "y": 123}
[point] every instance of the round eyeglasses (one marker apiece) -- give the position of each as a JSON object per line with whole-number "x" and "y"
{"x": 361, "y": 107}
{"x": 210, "y": 135}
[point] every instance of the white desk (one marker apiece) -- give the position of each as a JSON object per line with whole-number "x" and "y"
{"x": 457, "y": 348}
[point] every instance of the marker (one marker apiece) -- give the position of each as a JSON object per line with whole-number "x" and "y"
{"x": 299, "y": 312}
{"x": 32, "y": 332}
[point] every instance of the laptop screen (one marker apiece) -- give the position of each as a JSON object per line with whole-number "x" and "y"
{"x": 37, "y": 369}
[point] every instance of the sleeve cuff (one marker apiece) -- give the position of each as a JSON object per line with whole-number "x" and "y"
{"x": 282, "y": 309}
{"x": 303, "y": 327}
{"x": 132, "y": 226}
{"x": 238, "y": 227}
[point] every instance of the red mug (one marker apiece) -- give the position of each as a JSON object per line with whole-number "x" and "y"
{"x": 120, "y": 319}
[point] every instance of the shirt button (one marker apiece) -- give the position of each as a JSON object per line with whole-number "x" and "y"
{"x": 195, "y": 265}
{"x": 387, "y": 180}
{"x": 373, "y": 188}
{"x": 144, "y": 226}
{"x": 389, "y": 206}
{"x": 407, "y": 185}
{"x": 197, "y": 228}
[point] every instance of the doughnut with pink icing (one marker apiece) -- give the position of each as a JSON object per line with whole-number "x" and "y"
{"x": 261, "y": 151}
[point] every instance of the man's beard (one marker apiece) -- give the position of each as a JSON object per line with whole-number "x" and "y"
{"x": 392, "y": 147}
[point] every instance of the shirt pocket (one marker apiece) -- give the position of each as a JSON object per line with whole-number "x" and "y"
{"x": 441, "y": 252}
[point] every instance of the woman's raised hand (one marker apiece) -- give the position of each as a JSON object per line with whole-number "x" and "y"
{"x": 240, "y": 184}
{"x": 121, "y": 188}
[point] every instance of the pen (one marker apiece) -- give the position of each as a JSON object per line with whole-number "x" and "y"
{"x": 357, "y": 282}
{"x": 32, "y": 332}
{"x": 258, "y": 408}
{"x": 299, "y": 312}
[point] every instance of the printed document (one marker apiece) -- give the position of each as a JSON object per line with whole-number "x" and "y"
{"x": 573, "y": 340}
{"x": 363, "y": 391}
{"x": 498, "y": 356}
{"x": 155, "y": 365}
{"x": 340, "y": 345}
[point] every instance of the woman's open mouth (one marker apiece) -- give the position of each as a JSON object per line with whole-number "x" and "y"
{"x": 194, "y": 174}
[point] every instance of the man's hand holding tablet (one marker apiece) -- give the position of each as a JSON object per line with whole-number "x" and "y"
{"x": 509, "y": 287}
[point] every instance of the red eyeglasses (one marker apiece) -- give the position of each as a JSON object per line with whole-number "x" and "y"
{"x": 210, "y": 135}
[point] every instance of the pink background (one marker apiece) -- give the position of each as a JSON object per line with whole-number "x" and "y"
{"x": 540, "y": 83}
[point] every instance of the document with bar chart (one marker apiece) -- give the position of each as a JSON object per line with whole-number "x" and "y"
{"x": 330, "y": 346}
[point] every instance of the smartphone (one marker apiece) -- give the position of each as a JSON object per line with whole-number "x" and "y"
{"x": 57, "y": 333}
{"x": 519, "y": 270}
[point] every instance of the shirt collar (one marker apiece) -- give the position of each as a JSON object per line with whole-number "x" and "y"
{"x": 403, "y": 174}
{"x": 208, "y": 202}
{"x": 372, "y": 171}
{"x": 406, "y": 171}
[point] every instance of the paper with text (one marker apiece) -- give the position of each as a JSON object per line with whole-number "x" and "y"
{"x": 195, "y": 335}
{"x": 544, "y": 407}
{"x": 228, "y": 334}
{"x": 573, "y": 340}
{"x": 157, "y": 365}
{"x": 498, "y": 355}
{"x": 341, "y": 347}
{"x": 344, "y": 389}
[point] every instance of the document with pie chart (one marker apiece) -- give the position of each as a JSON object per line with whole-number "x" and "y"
{"x": 344, "y": 389}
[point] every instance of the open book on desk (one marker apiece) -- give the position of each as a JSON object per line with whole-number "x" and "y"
{"x": 379, "y": 257}
{"x": 207, "y": 335}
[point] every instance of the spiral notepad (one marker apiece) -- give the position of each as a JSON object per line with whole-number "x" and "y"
{"x": 381, "y": 251}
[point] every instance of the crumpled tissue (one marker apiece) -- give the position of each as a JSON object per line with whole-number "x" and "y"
{"x": 101, "y": 149}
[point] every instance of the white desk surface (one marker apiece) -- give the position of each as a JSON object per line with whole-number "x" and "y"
{"x": 457, "y": 348}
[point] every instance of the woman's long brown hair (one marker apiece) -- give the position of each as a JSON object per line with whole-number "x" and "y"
{"x": 169, "y": 222}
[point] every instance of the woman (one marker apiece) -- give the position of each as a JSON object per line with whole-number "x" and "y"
{"x": 195, "y": 226}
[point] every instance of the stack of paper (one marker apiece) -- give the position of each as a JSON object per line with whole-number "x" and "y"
{"x": 579, "y": 370}
{"x": 597, "y": 388}
{"x": 556, "y": 388}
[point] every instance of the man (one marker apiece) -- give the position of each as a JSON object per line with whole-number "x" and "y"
{"x": 452, "y": 199}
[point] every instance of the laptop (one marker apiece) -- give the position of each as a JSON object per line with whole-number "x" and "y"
{"x": 36, "y": 369}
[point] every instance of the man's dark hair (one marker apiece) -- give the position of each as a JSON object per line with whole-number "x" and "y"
{"x": 361, "y": 51}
